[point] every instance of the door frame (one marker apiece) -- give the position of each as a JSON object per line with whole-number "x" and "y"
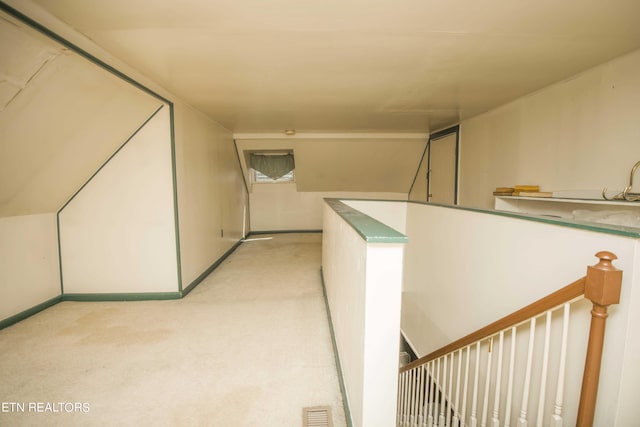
{"x": 434, "y": 137}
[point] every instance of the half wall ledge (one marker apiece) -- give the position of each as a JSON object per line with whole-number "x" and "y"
{"x": 371, "y": 230}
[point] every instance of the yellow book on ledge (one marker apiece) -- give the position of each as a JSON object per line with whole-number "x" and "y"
{"x": 536, "y": 194}
{"x": 528, "y": 188}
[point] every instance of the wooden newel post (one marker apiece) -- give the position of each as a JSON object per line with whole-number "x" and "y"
{"x": 602, "y": 287}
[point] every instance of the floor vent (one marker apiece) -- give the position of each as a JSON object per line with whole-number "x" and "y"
{"x": 317, "y": 416}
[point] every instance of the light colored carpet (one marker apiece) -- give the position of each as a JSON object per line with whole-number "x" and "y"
{"x": 250, "y": 346}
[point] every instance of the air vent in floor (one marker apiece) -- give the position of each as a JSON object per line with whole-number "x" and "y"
{"x": 317, "y": 416}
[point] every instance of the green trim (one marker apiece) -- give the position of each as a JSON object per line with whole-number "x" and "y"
{"x": 263, "y": 232}
{"x": 247, "y": 207}
{"x": 29, "y": 312}
{"x": 66, "y": 43}
{"x": 111, "y": 157}
{"x": 87, "y": 183}
{"x": 244, "y": 179}
{"x": 424, "y": 152}
{"x": 371, "y": 230}
{"x": 208, "y": 271}
{"x": 59, "y": 252}
{"x": 618, "y": 230}
{"x": 174, "y": 177}
{"x": 96, "y": 61}
{"x": 343, "y": 389}
{"x": 140, "y": 296}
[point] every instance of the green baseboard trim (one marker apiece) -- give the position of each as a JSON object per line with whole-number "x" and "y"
{"x": 208, "y": 271}
{"x": 140, "y": 296}
{"x": 343, "y": 389}
{"x": 29, "y": 312}
{"x": 260, "y": 232}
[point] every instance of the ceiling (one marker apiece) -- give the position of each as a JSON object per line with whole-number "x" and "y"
{"x": 354, "y": 66}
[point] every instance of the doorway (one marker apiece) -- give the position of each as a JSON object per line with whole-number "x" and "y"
{"x": 442, "y": 166}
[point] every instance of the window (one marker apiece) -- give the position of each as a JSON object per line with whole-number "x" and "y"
{"x": 271, "y": 167}
{"x": 259, "y": 177}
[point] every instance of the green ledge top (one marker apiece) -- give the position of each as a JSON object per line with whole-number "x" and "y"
{"x": 371, "y": 230}
{"x": 618, "y": 230}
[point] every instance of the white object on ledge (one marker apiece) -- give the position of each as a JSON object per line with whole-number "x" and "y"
{"x": 625, "y": 218}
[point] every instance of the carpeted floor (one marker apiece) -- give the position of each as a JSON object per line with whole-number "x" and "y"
{"x": 250, "y": 346}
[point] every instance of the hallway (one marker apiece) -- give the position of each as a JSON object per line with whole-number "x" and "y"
{"x": 250, "y": 346}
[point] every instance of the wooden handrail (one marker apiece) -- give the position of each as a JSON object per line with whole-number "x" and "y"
{"x": 602, "y": 286}
{"x": 552, "y": 300}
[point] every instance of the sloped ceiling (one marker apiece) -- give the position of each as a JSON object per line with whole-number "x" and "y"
{"x": 367, "y": 164}
{"x": 61, "y": 117}
{"x": 374, "y": 65}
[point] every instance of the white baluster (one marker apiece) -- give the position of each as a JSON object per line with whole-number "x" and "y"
{"x": 556, "y": 418}
{"x": 400, "y": 397}
{"x": 403, "y": 420}
{"x": 436, "y": 405}
{"x": 487, "y": 385}
{"x": 431, "y": 395}
{"x": 456, "y": 419}
{"x": 406, "y": 398}
{"x": 495, "y": 419}
{"x": 512, "y": 359}
{"x": 463, "y": 413}
{"x": 414, "y": 390}
{"x": 399, "y": 410}
{"x": 522, "y": 420}
{"x": 443, "y": 394}
{"x": 420, "y": 393}
{"x": 449, "y": 401}
{"x": 473, "y": 420}
{"x": 543, "y": 374}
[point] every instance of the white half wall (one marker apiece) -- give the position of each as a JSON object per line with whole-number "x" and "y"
{"x": 363, "y": 284}
{"x": 29, "y": 269}
{"x": 280, "y": 206}
{"x": 118, "y": 234}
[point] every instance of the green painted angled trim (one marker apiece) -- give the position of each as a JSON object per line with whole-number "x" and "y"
{"x": 426, "y": 146}
{"x": 371, "y": 230}
{"x": 244, "y": 179}
{"x": 59, "y": 252}
{"x": 208, "y": 271}
{"x": 140, "y": 296}
{"x": 110, "y": 157}
{"x": 343, "y": 389}
{"x": 29, "y": 312}
{"x": 258, "y": 233}
{"x": 174, "y": 177}
{"x": 91, "y": 58}
{"x": 89, "y": 180}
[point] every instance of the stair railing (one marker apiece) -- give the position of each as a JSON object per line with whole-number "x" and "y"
{"x": 443, "y": 388}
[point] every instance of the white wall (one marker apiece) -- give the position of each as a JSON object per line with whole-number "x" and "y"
{"x": 581, "y": 133}
{"x": 464, "y": 270}
{"x": 211, "y": 193}
{"x": 118, "y": 234}
{"x": 280, "y": 206}
{"x": 29, "y": 271}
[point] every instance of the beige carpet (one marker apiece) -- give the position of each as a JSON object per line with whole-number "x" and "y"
{"x": 250, "y": 346}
